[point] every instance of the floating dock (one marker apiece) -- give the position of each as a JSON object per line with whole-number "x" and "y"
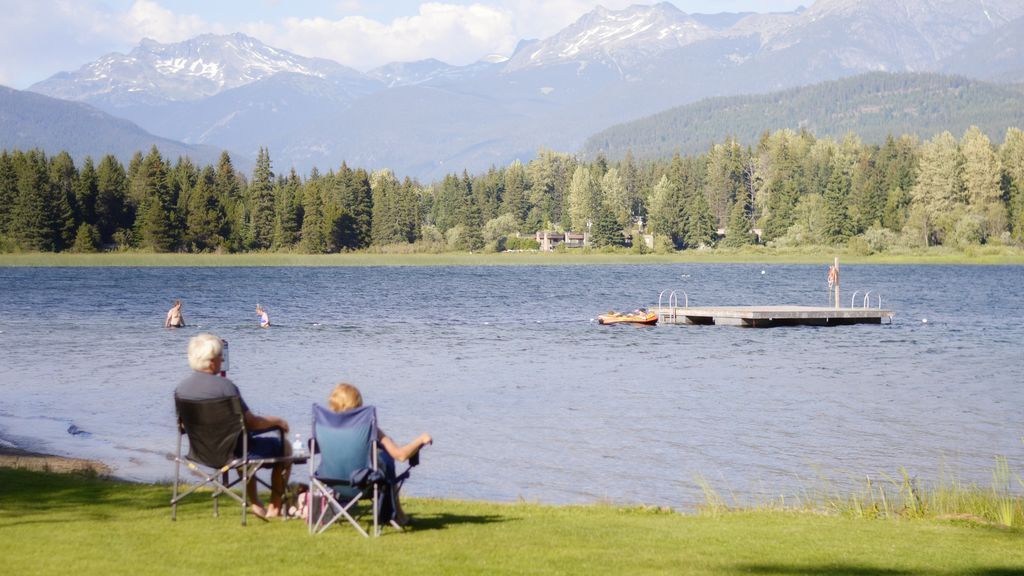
{"x": 769, "y": 316}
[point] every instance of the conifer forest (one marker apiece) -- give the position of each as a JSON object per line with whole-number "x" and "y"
{"x": 788, "y": 189}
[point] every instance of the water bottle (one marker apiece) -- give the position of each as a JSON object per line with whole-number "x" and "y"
{"x": 297, "y": 446}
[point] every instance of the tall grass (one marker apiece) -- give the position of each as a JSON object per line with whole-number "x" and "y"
{"x": 902, "y": 496}
{"x": 422, "y": 255}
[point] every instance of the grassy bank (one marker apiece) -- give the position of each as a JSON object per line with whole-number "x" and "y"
{"x": 67, "y": 524}
{"x": 983, "y": 256}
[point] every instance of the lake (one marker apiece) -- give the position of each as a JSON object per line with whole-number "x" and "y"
{"x": 528, "y": 397}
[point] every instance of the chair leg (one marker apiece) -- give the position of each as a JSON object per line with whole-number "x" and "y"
{"x": 375, "y": 504}
{"x": 174, "y": 493}
{"x": 177, "y": 480}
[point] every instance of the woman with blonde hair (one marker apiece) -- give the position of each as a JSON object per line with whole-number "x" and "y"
{"x": 346, "y": 397}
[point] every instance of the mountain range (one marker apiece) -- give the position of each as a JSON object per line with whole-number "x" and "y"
{"x": 428, "y": 118}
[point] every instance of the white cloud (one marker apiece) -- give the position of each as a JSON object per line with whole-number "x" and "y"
{"x": 453, "y": 33}
{"x": 147, "y": 19}
{"x": 41, "y": 37}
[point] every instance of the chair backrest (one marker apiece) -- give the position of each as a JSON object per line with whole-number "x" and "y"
{"x": 213, "y": 428}
{"x": 345, "y": 441}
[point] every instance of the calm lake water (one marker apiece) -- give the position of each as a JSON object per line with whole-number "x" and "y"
{"x": 525, "y": 394}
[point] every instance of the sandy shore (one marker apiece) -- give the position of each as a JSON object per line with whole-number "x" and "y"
{"x": 17, "y": 458}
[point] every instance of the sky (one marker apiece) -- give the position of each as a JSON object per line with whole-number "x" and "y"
{"x": 39, "y": 38}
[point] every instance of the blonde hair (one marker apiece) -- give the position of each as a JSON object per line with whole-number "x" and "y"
{"x": 203, "y": 349}
{"x": 345, "y": 397}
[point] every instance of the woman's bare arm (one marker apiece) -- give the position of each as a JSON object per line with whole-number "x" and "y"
{"x": 403, "y": 453}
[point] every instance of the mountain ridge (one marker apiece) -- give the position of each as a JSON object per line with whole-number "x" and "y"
{"x": 29, "y": 120}
{"x": 872, "y": 106}
{"x": 607, "y": 68}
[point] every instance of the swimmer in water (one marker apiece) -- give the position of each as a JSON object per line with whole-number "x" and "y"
{"x": 174, "y": 317}
{"x": 264, "y": 318}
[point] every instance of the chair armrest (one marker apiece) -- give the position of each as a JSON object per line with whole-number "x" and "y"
{"x": 278, "y": 429}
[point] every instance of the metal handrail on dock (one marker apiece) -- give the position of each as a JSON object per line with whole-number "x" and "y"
{"x": 673, "y": 303}
{"x": 865, "y": 301}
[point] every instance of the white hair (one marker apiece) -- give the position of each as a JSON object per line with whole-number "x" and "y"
{"x": 203, "y": 349}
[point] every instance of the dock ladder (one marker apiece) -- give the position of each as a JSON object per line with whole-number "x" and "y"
{"x": 865, "y": 302}
{"x": 672, "y": 304}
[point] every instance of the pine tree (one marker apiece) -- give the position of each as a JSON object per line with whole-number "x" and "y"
{"x": 61, "y": 199}
{"x": 288, "y": 211}
{"x": 486, "y": 192}
{"x": 666, "y": 212}
{"x": 261, "y": 203}
{"x": 229, "y": 190}
{"x": 838, "y": 226}
{"x": 701, "y": 228}
{"x": 515, "y": 201}
{"x": 606, "y": 230}
{"x": 313, "y": 240}
{"x": 407, "y": 207}
{"x": 113, "y": 212}
{"x": 183, "y": 180}
{"x": 8, "y": 192}
{"x": 737, "y": 233}
{"x": 87, "y": 239}
{"x": 351, "y": 192}
{"x": 157, "y": 217}
{"x": 897, "y": 162}
{"x": 86, "y": 191}
{"x": 448, "y": 200}
{"x": 472, "y": 224}
{"x": 33, "y": 223}
{"x": 207, "y": 221}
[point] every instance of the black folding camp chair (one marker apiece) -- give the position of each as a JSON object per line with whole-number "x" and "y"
{"x": 349, "y": 470}
{"x": 217, "y": 440}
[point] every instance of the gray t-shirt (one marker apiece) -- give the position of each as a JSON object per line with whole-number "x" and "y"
{"x": 206, "y": 386}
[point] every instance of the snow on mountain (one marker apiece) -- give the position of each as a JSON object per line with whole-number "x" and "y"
{"x": 189, "y": 70}
{"x": 620, "y": 37}
{"x": 422, "y": 117}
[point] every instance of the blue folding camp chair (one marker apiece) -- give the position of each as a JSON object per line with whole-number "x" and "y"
{"x": 349, "y": 470}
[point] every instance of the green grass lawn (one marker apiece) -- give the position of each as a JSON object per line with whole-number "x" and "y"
{"x": 67, "y": 524}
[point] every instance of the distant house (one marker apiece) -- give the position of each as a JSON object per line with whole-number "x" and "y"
{"x": 549, "y": 239}
{"x": 576, "y": 240}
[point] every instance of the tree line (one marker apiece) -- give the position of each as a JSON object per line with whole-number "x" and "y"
{"x": 789, "y": 189}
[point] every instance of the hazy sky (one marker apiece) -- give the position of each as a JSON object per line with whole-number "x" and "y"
{"x": 39, "y": 38}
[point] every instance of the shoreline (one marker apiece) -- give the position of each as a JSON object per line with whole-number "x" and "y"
{"x": 935, "y": 256}
{"x": 13, "y": 457}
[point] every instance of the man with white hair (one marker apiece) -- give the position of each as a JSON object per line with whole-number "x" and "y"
{"x": 206, "y": 356}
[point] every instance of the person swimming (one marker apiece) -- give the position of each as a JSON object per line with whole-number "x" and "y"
{"x": 174, "y": 317}
{"x": 263, "y": 317}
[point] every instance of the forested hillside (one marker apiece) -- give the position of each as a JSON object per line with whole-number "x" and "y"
{"x": 873, "y": 106}
{"x": 786, "y": 188}
{"x": 30, "y": 120}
